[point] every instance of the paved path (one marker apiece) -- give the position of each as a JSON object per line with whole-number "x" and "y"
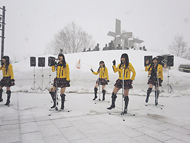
{"x": 27, "y": 120}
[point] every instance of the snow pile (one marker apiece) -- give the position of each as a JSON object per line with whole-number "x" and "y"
{"x": 83, "y": 81}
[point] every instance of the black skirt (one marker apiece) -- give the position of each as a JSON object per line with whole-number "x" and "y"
{"x": 60, "y": 82}
{"x": 127, "y": 84}
{"x": 102, "y": 81}
{"x": 6, "y": 81}
{"x": 154, "y": 81}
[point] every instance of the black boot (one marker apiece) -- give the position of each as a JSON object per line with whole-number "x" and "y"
{"x": 148, "y": 94}
{"x": 8, "y": 97}
{"x": 156, "y": 97}
{"x": 104, "y": 93}
{"x": 53, "y": 98}
{"x": 1, "y": 91}
{"x": 113, "y": 101}
{"x": 126, "y": 99}
{"x": 62, "y": 101}
{"x": 95, "y": 93}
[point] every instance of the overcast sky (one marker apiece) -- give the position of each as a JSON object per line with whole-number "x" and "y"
{"x": 32, "y": 24}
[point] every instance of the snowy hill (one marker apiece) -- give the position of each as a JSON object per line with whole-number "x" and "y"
{"x": 83, "y": 81}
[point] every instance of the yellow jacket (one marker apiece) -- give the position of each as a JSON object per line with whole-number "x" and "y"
{"x": 127, "y": 72}
{"x": 62, "y": 72}
{"x": 103, "y": 73}
{"x": 9, "y": 72}
{"x": 159, "y": 71}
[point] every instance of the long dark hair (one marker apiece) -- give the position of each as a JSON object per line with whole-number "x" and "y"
{"x": 63, "y": 61}
{"x": 126, "y": 60}
{"x": 101, "y": 62}
{"x": 7, "y": 62}
{"x": 152, "y": 64}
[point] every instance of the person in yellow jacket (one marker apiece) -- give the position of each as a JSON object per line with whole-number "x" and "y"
{"x": 123, "y": 68}
{"x": 102, "y": 80}
{"x": 8, "y": 78}
{"x": 155, "y": 71}
{"x": 62, "y": 79}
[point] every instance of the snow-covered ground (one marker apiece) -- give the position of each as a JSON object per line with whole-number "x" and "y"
{"x": 83, "y": 81}
{"x": 27, "y": 120}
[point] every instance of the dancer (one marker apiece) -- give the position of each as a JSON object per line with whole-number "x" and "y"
{"x": 62, "y": 80}
{"x": 8, "y": 78}
{"x": 102, "y": 80}
{"x": 155, "y": 71}
{"x": 127, "y": 68}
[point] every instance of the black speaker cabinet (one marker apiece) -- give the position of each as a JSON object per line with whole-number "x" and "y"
{"x": 170, "y": 61}
{"x": 147, "y": 58}
{"x": 32, "y": 61}
{"x": 51, "y": 61}
{"x": 161, "y": 60}
{"x": 41, "y": 61}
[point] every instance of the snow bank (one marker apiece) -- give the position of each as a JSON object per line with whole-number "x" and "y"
{"x": 83, "y": 81}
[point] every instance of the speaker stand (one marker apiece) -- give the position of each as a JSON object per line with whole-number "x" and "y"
{"x": 33, "y": 87}
{"x": 170, "y": 90}
{"x": 42, "y": 83}
{"x": 49, "y": 83}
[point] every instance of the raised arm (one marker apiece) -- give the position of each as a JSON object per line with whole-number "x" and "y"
{"x": 147, "y": 67}
{"x": 53, "y": 68}
{"x": 96, "y": 73}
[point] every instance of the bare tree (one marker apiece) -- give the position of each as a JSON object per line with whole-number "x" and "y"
{"x": 179, "y": 47}
{"x": 71, "y": 39}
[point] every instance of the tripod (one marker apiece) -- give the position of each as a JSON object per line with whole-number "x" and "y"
{"x": 170, "y": 90}
{"x": 33, "y": 87}
{"x": 49, "y": 83}
{"x": 42, "y": 83}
